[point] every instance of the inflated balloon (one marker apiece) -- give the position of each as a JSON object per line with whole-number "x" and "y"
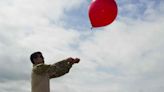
{"x": 102, "y": 12}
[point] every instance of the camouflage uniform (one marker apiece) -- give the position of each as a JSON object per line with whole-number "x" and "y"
{"x": 41, "y": 73}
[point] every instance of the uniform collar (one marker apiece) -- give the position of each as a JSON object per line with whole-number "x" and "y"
{"x": 38, "y": 64}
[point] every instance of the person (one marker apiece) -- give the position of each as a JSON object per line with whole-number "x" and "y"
{"x": 42, "y": 73}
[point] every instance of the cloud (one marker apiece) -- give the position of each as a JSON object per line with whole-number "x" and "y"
{"x": 15, "y": 86}
{"x": 123, "y": 57}
{"x": 23, "y": 24}
{"x": 140, "y": 10}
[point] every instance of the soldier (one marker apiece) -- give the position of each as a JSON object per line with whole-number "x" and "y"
{"x": 42, "y": 73}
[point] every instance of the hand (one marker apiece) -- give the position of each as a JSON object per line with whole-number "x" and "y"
{"x": 76, "y": 60}
{"x": 72, "y": 61}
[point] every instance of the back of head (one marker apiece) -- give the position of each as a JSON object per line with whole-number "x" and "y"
{"x": 34, "y": 55}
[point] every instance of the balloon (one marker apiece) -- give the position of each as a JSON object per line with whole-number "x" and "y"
{"x": 102, "y": 12}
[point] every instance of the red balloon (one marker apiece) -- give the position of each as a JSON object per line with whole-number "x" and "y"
{"x": 102, "y": 12}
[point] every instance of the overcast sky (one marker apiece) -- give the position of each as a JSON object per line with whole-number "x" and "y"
{"x": 126, "y": 56}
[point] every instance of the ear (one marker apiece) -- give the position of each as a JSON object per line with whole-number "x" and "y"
{"x": 34, "y": 60}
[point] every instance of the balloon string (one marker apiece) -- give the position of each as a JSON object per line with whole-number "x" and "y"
{"x": 91, "y": 28}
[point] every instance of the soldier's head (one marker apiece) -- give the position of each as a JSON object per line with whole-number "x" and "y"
{"x": 37, "y": 58}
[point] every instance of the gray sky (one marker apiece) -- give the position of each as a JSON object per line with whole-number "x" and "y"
{"x": 126, "y": 56}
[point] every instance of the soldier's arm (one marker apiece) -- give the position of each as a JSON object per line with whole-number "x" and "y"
{"x": 41, "y": 68}
{"x": 59, "y": 69}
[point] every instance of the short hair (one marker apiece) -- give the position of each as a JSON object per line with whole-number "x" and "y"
{"x": 35, "y": 55}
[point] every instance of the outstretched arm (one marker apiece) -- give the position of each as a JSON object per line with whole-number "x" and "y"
{"x": 41, "y": 68}
{"x": 61, "y": 68}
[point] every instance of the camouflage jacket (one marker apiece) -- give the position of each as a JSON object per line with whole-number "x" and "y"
{"x": 41, "y": 73}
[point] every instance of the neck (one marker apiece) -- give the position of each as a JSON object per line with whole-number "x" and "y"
{"x": 37, "y": 64}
